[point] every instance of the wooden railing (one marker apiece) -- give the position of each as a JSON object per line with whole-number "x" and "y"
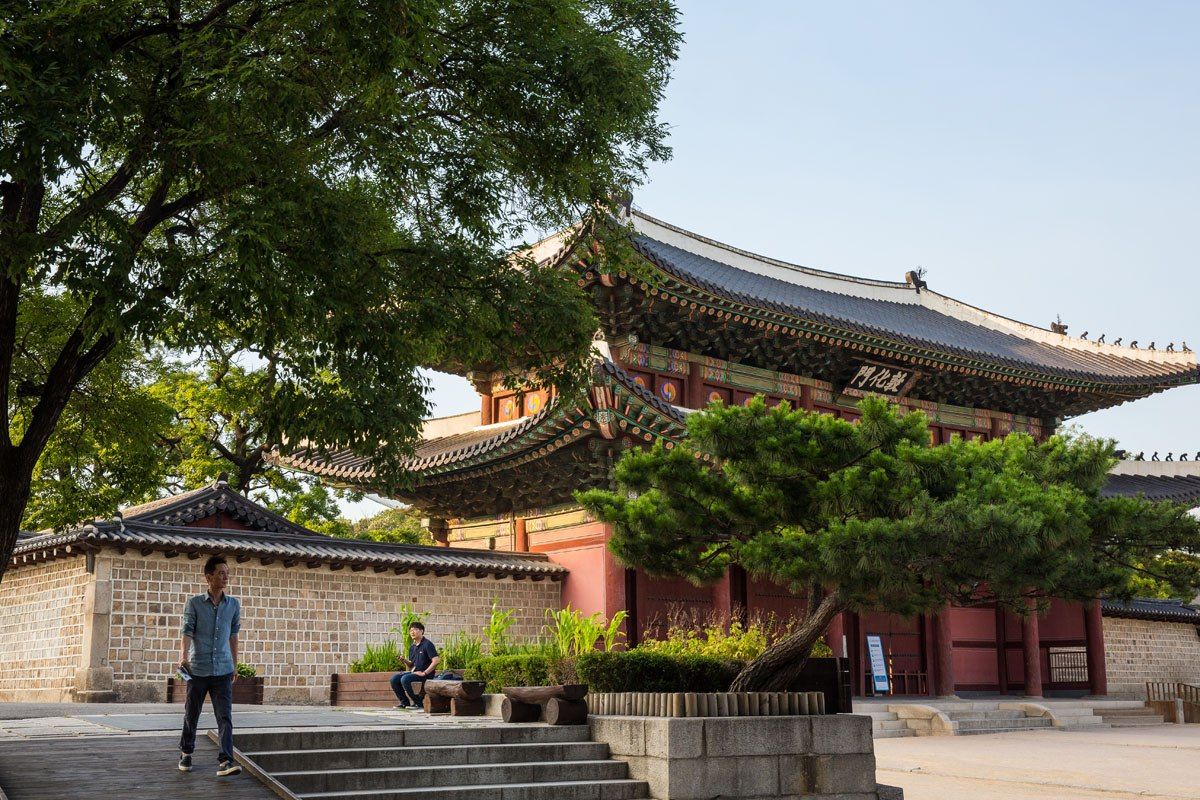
{"x": 1177, "y": 702}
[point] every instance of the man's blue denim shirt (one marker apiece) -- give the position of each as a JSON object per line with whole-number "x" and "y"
{"x": 210, "y": 628}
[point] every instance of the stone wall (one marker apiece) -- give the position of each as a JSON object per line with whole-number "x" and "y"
{"x": 299, "y": 625}
{"x": 1136, "y": 651}
{"x": 745, "y": 758}
{"x": 42, "y": 629}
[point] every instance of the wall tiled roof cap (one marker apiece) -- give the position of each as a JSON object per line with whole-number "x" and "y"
{"x": 1151, "y": 609}
{"x": 311, "y": 548}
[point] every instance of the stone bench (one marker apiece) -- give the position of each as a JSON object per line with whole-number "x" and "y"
{"x": 563, "y": 705}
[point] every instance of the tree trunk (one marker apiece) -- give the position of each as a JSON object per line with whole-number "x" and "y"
{"x": 15, "y": 484}
{"x": 781, "y": 664}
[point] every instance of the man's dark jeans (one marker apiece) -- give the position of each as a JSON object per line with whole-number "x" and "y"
{"x": 220, "y": 689}
{"x": 402, "y": 686}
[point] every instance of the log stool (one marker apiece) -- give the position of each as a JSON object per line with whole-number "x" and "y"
{"x": 460, "y": 698}
{"x": 565, "y": 705}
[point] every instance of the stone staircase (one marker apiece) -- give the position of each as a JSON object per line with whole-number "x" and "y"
{"x": 888, "y": 725}
{"x": 967, "y": 717}
{"x": 969, "y": 723}
{"x": 1131, "y": 717}
{"x": 452, "y": 762}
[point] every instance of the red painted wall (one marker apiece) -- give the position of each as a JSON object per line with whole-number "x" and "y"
{"x": 765, "y": 597}
{"x": 584, "y": 588}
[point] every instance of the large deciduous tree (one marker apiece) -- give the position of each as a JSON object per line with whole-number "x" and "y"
{"x": 868, "y": 516}
{"x": 329, "y": 186}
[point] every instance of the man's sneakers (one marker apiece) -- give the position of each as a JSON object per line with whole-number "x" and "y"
{"x": 223, "y": 768}
{"x": 403, "y": 706}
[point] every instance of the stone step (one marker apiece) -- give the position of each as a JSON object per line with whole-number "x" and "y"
{"x": 439, "y": 755}
{"x": 560, "y": 790}
{"x": 879, "y": 716}
{"x": 1144, "y": 711}
{"x": 1024, "y": 723}
{"x": 1134, "y": 722}
{"x": 980, "y": 731}
{"x": 892, "y": 733}
{"x": 977, "y": 715}
{"x": 422, "y": 736}
{"x": 420, "y": 776}
{"x": 890, "y": 725}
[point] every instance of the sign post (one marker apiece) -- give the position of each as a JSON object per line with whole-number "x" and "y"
{"x": 879, "y": 676}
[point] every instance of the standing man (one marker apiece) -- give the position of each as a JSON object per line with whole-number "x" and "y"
{"x": 211, "y": 622}
{"x": 422, "y": 658}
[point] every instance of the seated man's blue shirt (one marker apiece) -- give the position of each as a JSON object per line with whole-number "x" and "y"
{"x": 421, "y": 655}
{"x": 210, "y": 628}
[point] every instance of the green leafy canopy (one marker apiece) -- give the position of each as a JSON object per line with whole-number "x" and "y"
{"x": 329, "y": 189}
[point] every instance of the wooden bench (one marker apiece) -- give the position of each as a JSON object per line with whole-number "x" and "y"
{"x": 564, "y": 705}
{"x": 460, "y": 698}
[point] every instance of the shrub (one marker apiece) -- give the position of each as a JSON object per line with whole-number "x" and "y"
{"x": 641, "y": 670}
{"x": 384, "y": 658}
{"x": 733, "y": 642}
{"x": 510, "y": 670}
{"x": 460, "y": 650}
{"x": 246, "y": 671}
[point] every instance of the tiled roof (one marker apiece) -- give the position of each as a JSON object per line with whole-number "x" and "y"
{"x": 898, "y": 313}
{"x": 1176, "y": 488}
{"x": 482, "y": 443}
{"x": 311, "y": 549}
{"x": 1151, "y": 609}
{"x": 207, "y": 501}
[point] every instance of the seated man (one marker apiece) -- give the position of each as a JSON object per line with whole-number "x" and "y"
{"x": 421, "y": 661}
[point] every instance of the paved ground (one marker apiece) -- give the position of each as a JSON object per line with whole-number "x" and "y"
{"x": 72, "y": 751}
{"x": 1113, "y": 764}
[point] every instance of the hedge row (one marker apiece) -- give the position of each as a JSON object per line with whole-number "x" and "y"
{"x": 645, "y": 671}
{"x": 614, "y": 671}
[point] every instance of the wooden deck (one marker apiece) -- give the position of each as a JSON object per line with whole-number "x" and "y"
{"x": 118, "y": 768}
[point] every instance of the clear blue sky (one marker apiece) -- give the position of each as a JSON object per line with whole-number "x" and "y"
{"x": 1037, "y": 159}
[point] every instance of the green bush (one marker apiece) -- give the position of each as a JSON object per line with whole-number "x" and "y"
{"x": 530, "y": 669}
{"x": 245, "y": 670}
{"x": 510, "y": 670}
{"x": 384, "y": 658}
{"x": 640, "y": 670}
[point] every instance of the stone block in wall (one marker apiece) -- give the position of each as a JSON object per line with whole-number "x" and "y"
{"x": 741, "y": 758}
{"x": 746, "y": 736}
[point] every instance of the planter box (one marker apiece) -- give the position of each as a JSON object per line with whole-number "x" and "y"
{"x": 363, "y": 689}
{"x": 368, "y": 689}
{"x": 246, "y": 691}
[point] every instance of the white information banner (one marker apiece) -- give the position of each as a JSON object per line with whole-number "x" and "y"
{"x": 879, "y": 676}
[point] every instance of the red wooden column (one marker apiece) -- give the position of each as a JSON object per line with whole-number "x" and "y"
{"x": 485, "y": 401}
{"x": 833, "y": 636}
{"x": 943, "y": 654}
{"x": 1031, "y": 646}
{"x": 520, "y": 537}
{"x": 694, "y": 395}
{"x": 1093, "y": 622}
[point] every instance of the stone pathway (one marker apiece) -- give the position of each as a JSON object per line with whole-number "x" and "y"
{"x": 1153, "y": 763}
{"x": 72, "y": 751}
